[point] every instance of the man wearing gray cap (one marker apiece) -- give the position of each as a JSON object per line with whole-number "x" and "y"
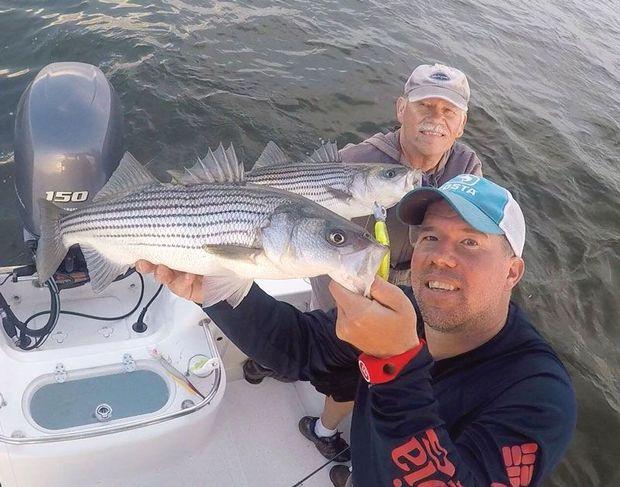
{"x": 432, "y": 113}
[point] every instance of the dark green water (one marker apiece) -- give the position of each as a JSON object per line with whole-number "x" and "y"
{"x": 544, "y": 118}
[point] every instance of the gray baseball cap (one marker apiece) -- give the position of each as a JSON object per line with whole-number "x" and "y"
{"x": 438, "y": 81}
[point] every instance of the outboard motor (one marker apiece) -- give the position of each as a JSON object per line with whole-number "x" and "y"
{"x": 68, "y": 138}
{"x": 68, "y": 141}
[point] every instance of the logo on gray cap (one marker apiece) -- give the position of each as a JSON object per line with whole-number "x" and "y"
{"x": 440, "y": 76}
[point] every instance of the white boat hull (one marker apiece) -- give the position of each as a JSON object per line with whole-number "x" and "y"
{"x": 42, "y": 446}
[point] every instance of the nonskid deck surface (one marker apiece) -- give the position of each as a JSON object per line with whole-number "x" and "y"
{"x": 254, "y": 443}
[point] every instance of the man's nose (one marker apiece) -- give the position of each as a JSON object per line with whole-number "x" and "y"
{"x": 443, "y": 255}
{"x": 435, "y": 110}
{"x": 435, "y": 113}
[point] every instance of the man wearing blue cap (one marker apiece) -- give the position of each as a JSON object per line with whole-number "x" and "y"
{"x": 461, "y": 392}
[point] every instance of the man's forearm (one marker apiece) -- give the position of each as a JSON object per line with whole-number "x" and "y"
{"x": 279, "y": 336}
{"x": 413, "y": 446}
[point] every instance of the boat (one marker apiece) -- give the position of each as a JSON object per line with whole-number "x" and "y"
{"x": 134, "y": 385}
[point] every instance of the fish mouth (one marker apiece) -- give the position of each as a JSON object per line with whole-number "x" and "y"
{"x": 391, "y": 194}
{"x": 359, "y": 269}
{"x": 413, "y": 179}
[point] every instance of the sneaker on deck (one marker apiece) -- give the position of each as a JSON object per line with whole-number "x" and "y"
{"x": 254, "y": 373}
{"x": 331, "y": 447}
{"x": 339, "y": 474}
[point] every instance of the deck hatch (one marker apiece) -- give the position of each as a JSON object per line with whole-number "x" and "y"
{"x": 56, "y": 406}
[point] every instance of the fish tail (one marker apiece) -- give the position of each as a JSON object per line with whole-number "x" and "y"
{"x": 50, "y": 248}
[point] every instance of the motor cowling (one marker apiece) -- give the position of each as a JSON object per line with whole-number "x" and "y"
{"x": 68, "y": 139}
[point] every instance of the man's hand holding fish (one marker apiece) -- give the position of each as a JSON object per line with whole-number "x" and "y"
{"x": 183, "y": 284}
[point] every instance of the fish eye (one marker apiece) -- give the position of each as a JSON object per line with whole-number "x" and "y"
{"x": 389, "y": 173}
{"x": 337, "y": 237}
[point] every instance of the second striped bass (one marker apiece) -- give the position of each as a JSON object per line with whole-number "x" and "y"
{"x": 347, "y": 189}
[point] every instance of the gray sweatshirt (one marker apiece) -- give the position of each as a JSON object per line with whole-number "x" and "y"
{"x": 385, "y": 148}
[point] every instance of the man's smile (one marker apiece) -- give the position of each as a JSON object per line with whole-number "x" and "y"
{"x": 432, "y": 133}
{"x": 441, "y": 286}
{"x": 432, "y": 129}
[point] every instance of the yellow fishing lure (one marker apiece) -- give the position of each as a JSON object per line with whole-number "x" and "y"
{"x": 382, "y": 236}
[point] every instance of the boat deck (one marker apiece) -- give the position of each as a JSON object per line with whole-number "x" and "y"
{"x": 255, "y": 442}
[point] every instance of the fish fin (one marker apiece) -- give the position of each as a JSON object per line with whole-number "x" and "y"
{"x": 229, "y": 287}
{"x": 232, "y": 252}
{"x": 272, "y": 155}
{"x": 50, "y": 248}
{"x": 176, "y": 176}
{"x": 339, "y": 194}
{"x": 327, "y": 153}
{"x": 218, "y": 166}
{"x": 101, "y": 271}
{"x": 128, "y": 176}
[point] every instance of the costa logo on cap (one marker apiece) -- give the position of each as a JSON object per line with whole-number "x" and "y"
{"x": 456, "y": 187}
{"x": 463, "y": 183}
{"x": 440, "y": 76}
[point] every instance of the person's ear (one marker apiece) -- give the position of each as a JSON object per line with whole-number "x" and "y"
{"x": 515, "y": 272}
{"x": 462, "y": 128}
{"x": 401, "y": 104}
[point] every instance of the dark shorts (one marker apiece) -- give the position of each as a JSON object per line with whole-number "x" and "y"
{"x": 341, "y": 385}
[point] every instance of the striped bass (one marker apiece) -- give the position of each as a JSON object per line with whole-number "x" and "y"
{"x": 347, "y": 189}
{"x": 227, "y": 230}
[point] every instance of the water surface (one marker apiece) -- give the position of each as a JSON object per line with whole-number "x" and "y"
{"x": 544, "y": 118}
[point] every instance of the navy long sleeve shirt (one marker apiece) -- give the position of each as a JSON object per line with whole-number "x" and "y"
{"x": 500, "y": 415}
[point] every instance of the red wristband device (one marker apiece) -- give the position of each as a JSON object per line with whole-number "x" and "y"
{"x": 381, "y": 370}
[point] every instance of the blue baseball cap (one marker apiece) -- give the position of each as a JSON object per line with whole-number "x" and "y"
{"x": 486, "y": 206}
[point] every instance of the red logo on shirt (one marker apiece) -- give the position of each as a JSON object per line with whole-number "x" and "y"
{"x": 425, "y": 461}
{"x": 519, "y": 462}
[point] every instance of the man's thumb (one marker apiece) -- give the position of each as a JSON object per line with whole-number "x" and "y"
{"x": 387, "y": 294}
